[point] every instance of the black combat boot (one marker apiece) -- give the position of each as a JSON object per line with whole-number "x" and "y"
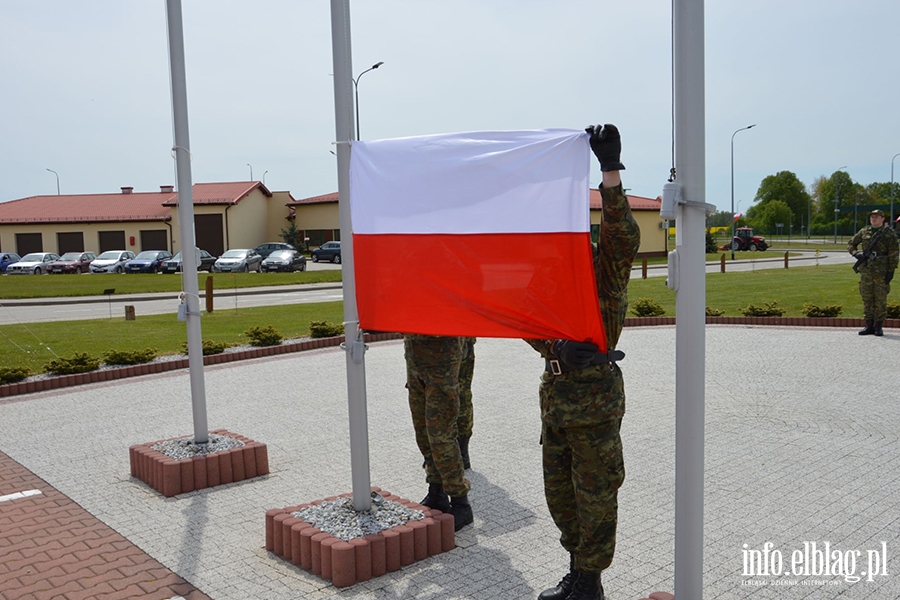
{"x": 464, "y": 450}
{"x": 437, "y": 498}
{"x": 565, "y": 585}
{"x": 587, "y": 587}
{"x": 461, "y": 511}
{"x": 870, "y": 328}
{"x": 878, "y": 331}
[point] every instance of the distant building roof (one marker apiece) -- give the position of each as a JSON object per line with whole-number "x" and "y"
{"x": 124, "y": 206}
{"x": 636, "y": 202}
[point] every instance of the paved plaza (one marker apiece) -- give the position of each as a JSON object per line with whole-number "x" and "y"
{"x": 801, "y": 448}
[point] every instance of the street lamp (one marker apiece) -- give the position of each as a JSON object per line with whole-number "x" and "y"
{"x": 892, "y": 187}
{"x": 837, "y": 197}
{"x": 356, "y": 92}
{"x": 264, "y": 178}
{"x": 251, "y": 171}
{"x": 57, "y": 177}
{"x": 732, "y": 185}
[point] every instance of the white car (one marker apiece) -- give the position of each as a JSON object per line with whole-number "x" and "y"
{"x": 36, "y": 262}
{"x": 111, "y": 261}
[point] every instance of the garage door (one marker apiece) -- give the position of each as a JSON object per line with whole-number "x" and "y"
{"x": 70, "y": 242}
{"x": 209, "y": 234}
{"x": 28, "y": 242}
{"x": 111, "y": 240}
{"x": 154, "y": 239}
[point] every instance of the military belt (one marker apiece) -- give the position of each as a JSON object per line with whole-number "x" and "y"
{"x": 555, "y": 367}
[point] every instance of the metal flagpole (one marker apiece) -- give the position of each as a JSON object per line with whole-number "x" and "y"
{"x": 690, "y": 297}
{"x": 186, "y": 219}
{"x": 353, "y": 344}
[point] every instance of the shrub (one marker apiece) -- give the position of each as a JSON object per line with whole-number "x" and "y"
{"x": 647, "y": 307}
{"x": 266, "y": 336}
{"x": 893, "y": 309}
{"x": 831, "y": 310}
{"x": 12, "y": 374}
{"x": 769, "y": 309}
{"x": 209, "y": 347}
{"x": 79, "y": 363}
{"x": 714, "y": 312}
{"x": 320, "y": 329}
{"x": 130, "y": 357}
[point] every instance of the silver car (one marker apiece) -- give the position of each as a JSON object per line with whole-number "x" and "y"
{"x": 36, "y": 262}
{"x": 243, "y": 260}
{"x": 111, "y": 261}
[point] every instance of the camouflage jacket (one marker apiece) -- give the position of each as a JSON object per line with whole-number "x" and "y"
{"x": 596, "y": 393}
{"x": 885, "y": 254}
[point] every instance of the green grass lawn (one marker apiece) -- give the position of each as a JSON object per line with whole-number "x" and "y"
{"x": 26, "y": 345}
{"x": 49, "y": 286}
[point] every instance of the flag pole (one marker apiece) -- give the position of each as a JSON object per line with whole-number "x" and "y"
{"x": 186, "y": 217}
{"x": 690, "y": 296}
{"x": 353, "y": 344}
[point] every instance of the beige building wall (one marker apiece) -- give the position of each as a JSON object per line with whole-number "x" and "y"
{"x": 653, "y": 239}
{"x": 318, "y": 216}
{"x": 248, "y": 221}
{"x": 277, "y": 212}
{"x": 90, "y": 231}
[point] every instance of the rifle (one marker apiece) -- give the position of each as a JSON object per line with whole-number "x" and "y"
{"x": 862, "y": 260}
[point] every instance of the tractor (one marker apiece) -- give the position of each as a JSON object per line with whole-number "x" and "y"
{"x": 745, "y": 240}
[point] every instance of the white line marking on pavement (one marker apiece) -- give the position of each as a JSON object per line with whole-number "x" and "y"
{"x": 19, "y": 495}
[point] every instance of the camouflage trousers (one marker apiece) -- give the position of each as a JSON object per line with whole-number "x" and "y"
{"x": 874, "y": 292}
{"x": 466, "y": 419}
{"x": 583, "y": 471}
{"x": 432, "y": 378}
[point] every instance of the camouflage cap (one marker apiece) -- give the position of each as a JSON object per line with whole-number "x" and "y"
{"x": 878, "y": 212}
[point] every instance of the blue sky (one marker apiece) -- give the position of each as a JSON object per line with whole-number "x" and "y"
{"x": 86, "y": 86}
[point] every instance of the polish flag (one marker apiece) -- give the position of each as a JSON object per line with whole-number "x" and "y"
{"x": 481, "y": 234}
{"x": 738, "y": 216}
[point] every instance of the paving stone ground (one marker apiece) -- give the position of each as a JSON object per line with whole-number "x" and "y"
{"x": 801, "y": 447}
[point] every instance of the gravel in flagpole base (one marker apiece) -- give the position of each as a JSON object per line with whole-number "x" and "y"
{"x": 178, "y": 466}
{"x": 329, "y": 538}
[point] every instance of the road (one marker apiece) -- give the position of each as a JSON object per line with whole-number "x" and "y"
{"x": 103, "y": 307}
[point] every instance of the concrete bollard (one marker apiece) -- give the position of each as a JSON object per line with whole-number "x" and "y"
{"x": 129, "y": 312}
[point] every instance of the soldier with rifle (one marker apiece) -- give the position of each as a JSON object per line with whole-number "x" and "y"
{"x": 876, "y": 251}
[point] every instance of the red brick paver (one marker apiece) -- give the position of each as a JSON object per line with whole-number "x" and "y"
{"x": 50, "y": 547}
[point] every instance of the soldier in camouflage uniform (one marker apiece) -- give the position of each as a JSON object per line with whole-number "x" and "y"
{"x": 432, "y": 378}
{"x": 583, "y": 400}
{"x": 466, "y": 418}
{"x": 877, "y": 262}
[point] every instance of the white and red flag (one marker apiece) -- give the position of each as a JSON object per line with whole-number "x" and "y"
{"x": 482, "y": 234}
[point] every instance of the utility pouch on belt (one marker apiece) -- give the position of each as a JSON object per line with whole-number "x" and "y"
{"x": 556, "y": 367}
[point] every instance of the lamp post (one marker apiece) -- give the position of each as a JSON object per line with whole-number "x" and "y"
{"x": 837, "y": 198}
{"x": 251, "y": 171}
{"x": 892, "y": 187}
{"x": 57, "y": 177}
{"x": 264, "y": 178}
{"x": 732, "y": 185}
{"x": 356, "y": 92}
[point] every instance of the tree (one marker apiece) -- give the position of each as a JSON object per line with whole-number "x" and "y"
{"x": 766, "y": 217}
{"x": 291, "y": 235}
{"x": 786, "y": 188}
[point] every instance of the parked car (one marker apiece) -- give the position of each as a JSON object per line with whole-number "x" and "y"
{"x": 111, "y": 261}
{"x": 238, "y": 260}
{"x": 8, "y": 258}
{"x": 148, "y": 261}
{"x": 173, "y": 265}
{"x": 284, "y": 260}
{"x": 73, "y": 262}
{"x": 328, "y": 251}
{"x": 36, "y": 262}
{"x": 268, "y": 248}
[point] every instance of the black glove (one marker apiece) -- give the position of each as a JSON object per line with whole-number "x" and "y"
{"x": 575, "y": 355}
{"x": 889, "y": 276}
{"x": 607, "y": 146}
{"x": 859, "y": 255}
